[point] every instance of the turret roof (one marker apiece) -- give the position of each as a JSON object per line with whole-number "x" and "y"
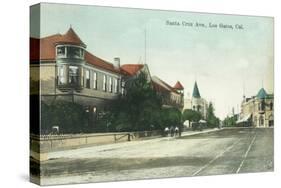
{"x": 178, "y": 86}
{"x": 262, "y": 94}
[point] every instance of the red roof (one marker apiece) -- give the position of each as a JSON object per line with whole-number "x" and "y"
{"x": 44, "y": 49}
{"x": 96, "y": 61}
{"x": 178, "y": 86}
{"x": 47, "y": 44}
{"x": 161, "y": 86}
{"x": 70, "y": 37}
{"x": 47, "y": 47}
{"x": 131, "y": 69}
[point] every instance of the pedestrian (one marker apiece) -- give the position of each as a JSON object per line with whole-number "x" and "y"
{"x": 172, "y": 129}
{"x": 176, "y": 131}
{"x": 166, "y": 131}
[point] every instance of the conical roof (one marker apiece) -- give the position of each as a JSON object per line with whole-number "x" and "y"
{"x": 72, "y": 38}
{"x": 262, "y": 94}
{"x": 178, "y": 86}
{"x": 196, "y": 93}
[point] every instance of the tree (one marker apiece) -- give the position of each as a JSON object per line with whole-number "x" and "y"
{"x": 212, "y": 120}
{"x": 70, "y": 117}
{"x": 191, "y": 115}
{"x": 230, "y": 121}
{"x": 139, "y": 109}
{"x": 170, "y": 117}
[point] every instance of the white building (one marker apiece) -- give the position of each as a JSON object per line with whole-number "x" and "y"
{"x": 196, "y": 102}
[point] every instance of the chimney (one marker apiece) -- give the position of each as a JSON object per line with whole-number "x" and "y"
{"x": 116, "y": 63}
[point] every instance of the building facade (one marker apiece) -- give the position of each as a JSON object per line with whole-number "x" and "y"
{"x": 67, "y": 71}
{"x": 61, "y": 68}
{"x": 171, "y": 96}
{"x": 257, "y": 111}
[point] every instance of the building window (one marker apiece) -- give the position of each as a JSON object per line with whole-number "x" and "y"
{"x": 70, "y": 52}
{"x": 198, "y": 108}
{"x": 75, "y": 52}
{"x": 110, "y": 85}
{"x": 122, "y": 87}
{"x": 73, "y": 75}
{"x": 104, "y": 83}
{"x": 61, "y": 75}
{"x": 95, "y": 80}
{"x": 261, "y": 105}
{"x": 61, "y": 51}
{"x": 115, "y": 85}
{"x": 271, "y": 106}
{"x": 87, "y": 72}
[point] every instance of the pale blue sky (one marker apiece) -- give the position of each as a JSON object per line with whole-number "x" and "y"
{"x": 221, "y": 60}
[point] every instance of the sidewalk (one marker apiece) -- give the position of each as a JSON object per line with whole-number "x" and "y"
{"x": 85, "y": 151}
{"x": 189, "y": 133}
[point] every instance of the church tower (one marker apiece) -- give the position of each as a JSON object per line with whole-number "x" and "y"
{"x": 196, "y": 93}
{"x": 197, "y": 102}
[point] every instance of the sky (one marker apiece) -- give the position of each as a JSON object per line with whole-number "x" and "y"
{"x": 226, "y": 63}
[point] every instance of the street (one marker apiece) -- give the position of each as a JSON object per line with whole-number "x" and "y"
{"x": 226, "y": 151}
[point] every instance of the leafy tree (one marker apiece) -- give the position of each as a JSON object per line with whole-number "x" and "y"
{"x": 191, "y": 115}
{"x": 170, "y": 117}
{"x": 70, "y": 117}
{"x": 230, "y": 121}
{"x": 212, "y": 120}
{"x": 139, "y": 109}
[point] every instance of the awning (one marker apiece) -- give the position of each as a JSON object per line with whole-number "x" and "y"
{"x": 245, "y": 119}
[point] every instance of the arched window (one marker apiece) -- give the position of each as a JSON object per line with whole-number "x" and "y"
{"x": 198, "y": 108}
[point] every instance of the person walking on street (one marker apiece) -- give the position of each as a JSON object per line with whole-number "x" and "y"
{"x": 176, "y": 131}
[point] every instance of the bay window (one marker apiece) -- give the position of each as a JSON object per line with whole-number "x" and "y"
{"x": 73, "y": 73}
{"x": 68, "y": 51}
{"x": 74, "y": 52}
{"x": 61, "y": 51}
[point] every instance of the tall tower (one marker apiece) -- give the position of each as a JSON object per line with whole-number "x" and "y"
{"x": 197, "y": 102}
{"x": 196, "y": 93}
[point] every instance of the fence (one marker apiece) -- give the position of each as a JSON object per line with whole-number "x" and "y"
{"x": 47, "y": 143}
